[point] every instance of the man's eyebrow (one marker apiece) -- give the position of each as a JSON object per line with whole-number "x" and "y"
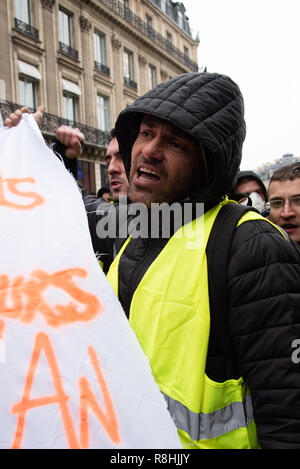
{"x": 110, "y": 155}
{"x": 150, "y": 121}
{"x": 278, "y": 197}
{"x": 176, "y": 131}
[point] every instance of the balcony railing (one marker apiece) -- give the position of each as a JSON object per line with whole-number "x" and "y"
{"x": 149, "y": 32}
{"x": 68, "y": 50}
{"x": 93, "y": 136}
{"x": 131, "y": 83}
{"x": 27, "y": 29}
{"x": 51, "y": 122}
{"x": 102, "y": 68}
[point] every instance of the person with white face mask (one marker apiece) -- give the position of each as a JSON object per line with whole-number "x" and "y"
{"x": 250, "y": 186}
{"x": 257, "y": 201}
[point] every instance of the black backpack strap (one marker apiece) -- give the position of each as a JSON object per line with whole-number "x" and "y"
{"x": 221, "y": 353}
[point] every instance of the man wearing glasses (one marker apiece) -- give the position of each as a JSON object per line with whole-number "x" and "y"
{"x": 284, "y": 199}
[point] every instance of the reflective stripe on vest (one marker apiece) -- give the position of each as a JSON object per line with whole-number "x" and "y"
{"x": 171, "y": 318}
{"x": 206, "y": 426}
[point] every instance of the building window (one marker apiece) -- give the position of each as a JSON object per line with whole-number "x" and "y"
{"x": 128, "y": 69}
{"x": 152, "y": 76}
{"x": 149, "y": 21}
{"x": 100, "y": 48}
{"x": 128, "y": 65}
{"x": 27, "y": 92}
{"x": 65, "y": 28}
{"x": 125, "y": 3}
{"x": 181, "y": 19}
{"x": 169, "y": 38}
{"x": 88, "y": 179}
{"x": 100, "y": 55}
{"x": 22, "y": 10}
{"x": 104, "y": 175}
{"x": 169, "y": 41}
{"x": 71, "y": 94}
{"x": 69, "y": 107}
{"x": 29, "y": 76}
{"x": 165, "y": 7}
{"x": 65, "y": 35}
{"x": 103, "y": 113}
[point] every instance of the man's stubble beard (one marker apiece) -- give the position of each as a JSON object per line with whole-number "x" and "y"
{"x": 147, "y": 198}
{"x": 139, "y": 195}
{"x": 161, "y": 195}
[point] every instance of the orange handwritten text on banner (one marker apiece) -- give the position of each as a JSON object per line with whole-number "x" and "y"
{"x": 27, "y": 299}
{"x": 2, "y": 326}
{"x": 11, "y": 187}
{"x": 107, "y": 419}
{"x": 87, "y": 398}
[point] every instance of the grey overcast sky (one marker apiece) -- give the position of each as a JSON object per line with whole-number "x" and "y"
{"x": 256, "y": 43}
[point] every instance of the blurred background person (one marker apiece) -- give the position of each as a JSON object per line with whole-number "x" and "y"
{"x": 249, "y": 186}
{"x": 115, "y": 168}
{"x": 284, "y": 199}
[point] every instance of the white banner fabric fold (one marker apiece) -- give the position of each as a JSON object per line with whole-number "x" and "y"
{"x": 72, "y": 373}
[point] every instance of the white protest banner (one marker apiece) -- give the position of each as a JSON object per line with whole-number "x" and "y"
{"x": 72, "y": 373}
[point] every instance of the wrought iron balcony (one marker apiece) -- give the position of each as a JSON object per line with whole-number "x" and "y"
{"x": 149, "y": 32}
{"x": 102, "y": 68}
{"x": 51, "y": 122}
{"x": 130, "y": 83}
{"x": 27, "y": 29}
{"x": 68, "y": 50}
{"x": 93, "y": 136}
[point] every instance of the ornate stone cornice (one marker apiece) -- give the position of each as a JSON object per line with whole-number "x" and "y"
{"x": 163, "y": 75}
{"x": 48, "y": 4}
{"x": 142, "y": 61}
{"x": 116, "y": 43}
{"x": 85, "y": 24}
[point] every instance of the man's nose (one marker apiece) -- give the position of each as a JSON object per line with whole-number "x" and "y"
{"x": 287, "y": 210}
{"x": 113, "y": 166}
{"x": 153, "y": 149}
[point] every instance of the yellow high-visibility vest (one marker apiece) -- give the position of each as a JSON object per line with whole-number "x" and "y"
{"x": 171, "y": 318}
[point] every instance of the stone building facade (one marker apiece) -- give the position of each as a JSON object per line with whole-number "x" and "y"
{"x": 86, "y": 60}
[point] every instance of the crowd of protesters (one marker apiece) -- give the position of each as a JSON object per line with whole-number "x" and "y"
{"x": 228, "y": 378}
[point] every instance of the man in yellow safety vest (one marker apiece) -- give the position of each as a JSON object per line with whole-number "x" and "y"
{"x": 231, "y": 380}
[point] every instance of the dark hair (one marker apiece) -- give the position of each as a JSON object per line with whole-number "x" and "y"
{"x": 112, "y": 134}
{"x": 103, "y": 190}
{"x": 290, "y": 171}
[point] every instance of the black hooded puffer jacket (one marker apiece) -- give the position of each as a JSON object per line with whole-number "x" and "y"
{"x": 263, "y": 272}
{"x": 208, "y": 107}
